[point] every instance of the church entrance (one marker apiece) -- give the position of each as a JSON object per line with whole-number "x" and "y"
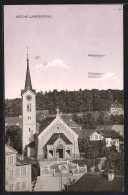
{"x": 59, "y": 153}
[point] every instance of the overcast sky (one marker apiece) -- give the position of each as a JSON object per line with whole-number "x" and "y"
{"x": 63, "y": 48}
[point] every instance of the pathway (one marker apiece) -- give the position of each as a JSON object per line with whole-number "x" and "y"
{"x": 50, "y": 183}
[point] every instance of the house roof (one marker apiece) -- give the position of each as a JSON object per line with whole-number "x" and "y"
{"x": 26, "y": 160}
{"x": 55, "y": 136}
{"x": 31, "y": 144}
{"x": 110, "y": 133}
{"x": 85, "y": 133}
{"x": 104, "y": 127}
{"x": 13, "y": 120}
{"x": 118, "y": 128}
{"x": 116, "y": 104}
{"x": 9, "y": 150}
{"x": 42, "y": 111}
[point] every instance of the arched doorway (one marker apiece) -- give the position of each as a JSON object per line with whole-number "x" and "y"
{"x": 60, "y": 151}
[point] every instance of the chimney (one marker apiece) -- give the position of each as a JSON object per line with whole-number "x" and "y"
{"x": 21, "y": 157}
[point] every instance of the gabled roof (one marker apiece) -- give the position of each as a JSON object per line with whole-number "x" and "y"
{"x": 85, "y": 133}
{"x": 45, "y": 123}
{"x": 104, "y": 127}
{"x": 26, "y": 160}
{"x": 55, "y": 136}
{"x": 118, "y": 128}
{"x": 116, "y": 104}
{"x": 24, "y": 90}
{"x": 9, "y": 150}
{"x": 31, "y": 144}
{"x": 67, "y": 119}
{"x": 13, "y": 120}
{"x": 110, "y": 133}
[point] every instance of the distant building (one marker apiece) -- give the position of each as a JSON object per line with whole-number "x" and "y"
{"x": 42, "y": 112}
{"x": 118, "y": 128}
{"x": 111, "y": 137}
{"x": 116, "y": 108}
{"x": 17, "y": 171}
{"x": 10, "y": 121}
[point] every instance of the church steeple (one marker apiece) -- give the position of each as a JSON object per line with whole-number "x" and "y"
{"x": 28, "y": 84}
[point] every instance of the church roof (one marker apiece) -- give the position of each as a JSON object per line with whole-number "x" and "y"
{"x": 55, "y": 136}
{"x": 28, "y": 84}
{"x": 45, "y": 123}
{"x": 67, "y": 119}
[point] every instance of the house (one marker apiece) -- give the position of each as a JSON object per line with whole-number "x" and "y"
{"x": 13, "y": 121}
{"x": 42, "y": 112}
{"x": 118, "y": 128}
{"x": 17, "y": 171}
{"x": 111, "y": 137}
{"x": 116, "y": 108}
{"x": 10, "y": 121}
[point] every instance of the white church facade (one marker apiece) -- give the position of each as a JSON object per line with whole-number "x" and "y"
{"x": 54, "y": 139}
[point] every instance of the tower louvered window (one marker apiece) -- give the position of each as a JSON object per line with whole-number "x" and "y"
{"x": 29, "y": 109}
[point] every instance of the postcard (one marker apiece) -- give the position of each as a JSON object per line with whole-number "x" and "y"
{"x": 64, "y": 97}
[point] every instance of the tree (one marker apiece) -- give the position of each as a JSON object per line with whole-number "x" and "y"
{"x": 88, "y": 121}
{"x": 69, "y": 101}
{"x": 14, "y": 138}
{"x": 100, "y": 119}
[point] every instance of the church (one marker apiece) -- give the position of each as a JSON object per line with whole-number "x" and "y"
{"x": 56, "y": 138}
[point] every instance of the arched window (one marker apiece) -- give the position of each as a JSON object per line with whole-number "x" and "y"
{"x": 30, "y": 108}
{"x": 27, "y": 107}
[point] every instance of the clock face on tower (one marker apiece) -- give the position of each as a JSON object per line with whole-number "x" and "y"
{"x": 29, "y": 97}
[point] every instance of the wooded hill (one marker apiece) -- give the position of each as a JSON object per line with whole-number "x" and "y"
{"x": 69, "y": 101}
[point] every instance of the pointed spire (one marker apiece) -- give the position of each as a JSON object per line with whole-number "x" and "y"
{"x": 28, "y": 84}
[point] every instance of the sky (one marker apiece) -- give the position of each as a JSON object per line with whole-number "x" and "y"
{"x": 69, "y": 47}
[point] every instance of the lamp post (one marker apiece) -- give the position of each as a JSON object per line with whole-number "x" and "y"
{"x": 60, "y": 167}
{"x": 61, "y": 180}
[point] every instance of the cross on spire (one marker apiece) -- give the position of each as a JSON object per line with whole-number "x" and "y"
{"x": 27, "y": 56}
{"x": 58, "y": 112}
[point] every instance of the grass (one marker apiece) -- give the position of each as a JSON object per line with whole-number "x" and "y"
{"x": 94, "y": 182}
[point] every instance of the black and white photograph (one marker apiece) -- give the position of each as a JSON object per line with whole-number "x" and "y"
{"x": 64, "y": 98}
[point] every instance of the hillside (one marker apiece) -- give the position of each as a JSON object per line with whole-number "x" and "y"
{"x": 69, "y": 101}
